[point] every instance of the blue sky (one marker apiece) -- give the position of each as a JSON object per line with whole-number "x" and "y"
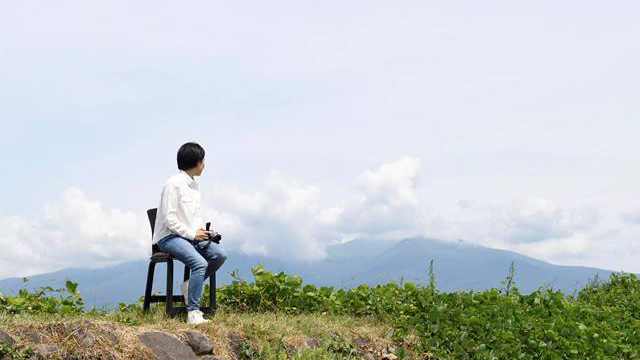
{"x": 507, "y": 124}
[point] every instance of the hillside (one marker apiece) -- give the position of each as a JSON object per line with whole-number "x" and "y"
{"x": 457, "y": 266}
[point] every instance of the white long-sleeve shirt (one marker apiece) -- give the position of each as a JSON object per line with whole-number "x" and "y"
{"x": 179, "y": 210}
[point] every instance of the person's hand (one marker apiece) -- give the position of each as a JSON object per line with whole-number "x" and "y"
{"x": 202, "y": 235}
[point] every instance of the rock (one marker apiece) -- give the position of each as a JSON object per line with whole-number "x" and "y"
{"x": 30, "y": 335}
{"x": 236, "y": 339}
{"x": 290, "y": 349}
{"x": 53, "y": 328}
{"x": 313, "y": 343}
{"x": 45, "y": 350}
{"x": 106, "y": 331}
{"x": 111, "y": 337}
{"x": 6, "y": 338}
{"x": 84, "y": 337}
{"x": 389, "y": 357}
{"x": 368, "y": 356}
{"x": 199, "y": 343}
{"x": 166, "y": 347}
{"x": 85, "y": 323}
{"x": 360, "y": 342}
{"x": 110, "y": 326}
{"x": 237, "y": 342}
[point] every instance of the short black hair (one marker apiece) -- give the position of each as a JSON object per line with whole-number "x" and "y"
{"x": 189, "y": 155}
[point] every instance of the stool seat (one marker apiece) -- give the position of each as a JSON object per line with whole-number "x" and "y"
{"x": 160, "y": 257}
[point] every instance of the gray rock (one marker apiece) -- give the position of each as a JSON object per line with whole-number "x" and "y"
{"x": 6, "y": 338}
{"x": 237, "y": 342}
{"x": 313, "y": 343}
{"x": 199, "y": 343}
{"x": 166, "y": 347}
{"x": 45, "y": 350}
{"x": 111, "y": 337}
{"x": 52, "y": 328}
{"x": 236, "y": 339}
{"x": 368, "y": 356}
{"x": 360, "y": 342}
{"x": 110, "y": 326}
{"x": 290, "y": 349}
{"x": 30, "y": 335}
{"x": 84, "y": 337}
{"x": 107, "y": 331}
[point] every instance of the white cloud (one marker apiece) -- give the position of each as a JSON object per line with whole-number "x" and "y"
{"x": 74, "y": 232}
{"x": 392, "y": 184}
{"x": 283, "y": 218}
{"x": 574, "y": 245}
{"x": 280, "y": 219}
{"x": 535, "y": 227}
{"x": 537, "y": 220}
{"x": 523, "y": 220}
{"x": 385, "y": 206}
{"x": 632, "y": 217}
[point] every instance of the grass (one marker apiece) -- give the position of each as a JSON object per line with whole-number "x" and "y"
{"x": 269, "y": 335}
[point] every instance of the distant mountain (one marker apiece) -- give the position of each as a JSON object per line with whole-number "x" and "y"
{"x": 457, "y": 266}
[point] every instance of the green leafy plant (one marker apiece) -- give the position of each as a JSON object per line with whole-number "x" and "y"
{"x": 66, "y": 300}
{"x": 341, "y": 347}
{"x": 10, "y": 352}
{"x": 602, "y": 322}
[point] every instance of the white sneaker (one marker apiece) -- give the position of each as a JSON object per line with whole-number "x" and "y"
{"x": 195, "y": 317}
{"x": 185, "y": 291}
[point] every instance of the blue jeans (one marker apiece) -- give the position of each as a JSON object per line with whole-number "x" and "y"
{"x": 202, "y": 262}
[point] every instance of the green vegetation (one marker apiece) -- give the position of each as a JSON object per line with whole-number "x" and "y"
{"x": 8, "y": 351}
{"x": 601, "y": 322}
{"x": 44, "y": 300}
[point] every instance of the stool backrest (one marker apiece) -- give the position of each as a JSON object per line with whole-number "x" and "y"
{"x": 151, "y": 214}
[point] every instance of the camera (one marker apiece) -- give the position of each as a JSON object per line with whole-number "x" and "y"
{"x": 215, "y": 238}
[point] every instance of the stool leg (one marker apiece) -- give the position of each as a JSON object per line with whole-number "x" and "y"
{"x": 212, "y": 293}
{"x": 147, "y": 291}
{"x": 187, "y": 273}
{"x": 169, "y": 303}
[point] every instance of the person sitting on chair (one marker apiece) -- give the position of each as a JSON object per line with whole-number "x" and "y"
{"x": 179, "y": 229}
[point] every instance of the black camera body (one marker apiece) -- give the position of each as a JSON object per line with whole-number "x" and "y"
{"x": 215, "y": 238}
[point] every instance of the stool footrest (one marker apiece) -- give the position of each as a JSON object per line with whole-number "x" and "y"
{"x": 163, "y": 298}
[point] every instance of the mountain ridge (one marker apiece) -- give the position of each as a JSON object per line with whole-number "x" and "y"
{"x": 457, "y": 265}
